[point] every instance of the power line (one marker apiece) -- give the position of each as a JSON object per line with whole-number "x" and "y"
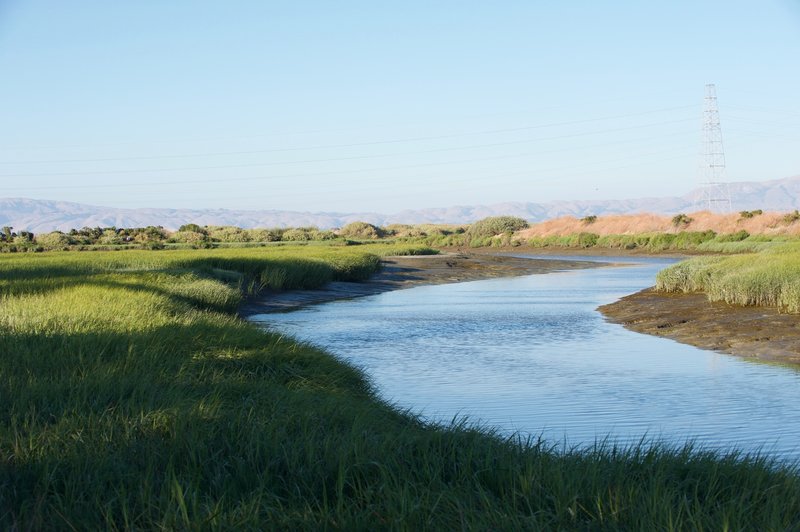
{"x": 348, "y": 145}
{"x": 337, "y": 159}
{"x": 195, "y": 181}
{"x": 328, "y": 173}
{"x": 486, "y": 178}
{"x": 337, "y": 130}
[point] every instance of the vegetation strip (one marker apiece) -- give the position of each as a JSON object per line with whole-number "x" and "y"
{"x": 134, "y": 398}
{"x": 702, "y": 232}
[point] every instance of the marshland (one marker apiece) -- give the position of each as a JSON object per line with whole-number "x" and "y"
{"x": 136, "y": 397}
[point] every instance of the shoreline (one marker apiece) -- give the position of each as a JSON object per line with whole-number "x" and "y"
{"x": 398, "y": 273}
{"x": 593, "y": 251}
{"x": 754, "y": 333}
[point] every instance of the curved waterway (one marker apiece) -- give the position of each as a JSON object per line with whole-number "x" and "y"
{"x": 532, "y": 355}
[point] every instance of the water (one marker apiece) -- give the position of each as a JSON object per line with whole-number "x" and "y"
{"x": 531, "y": 354}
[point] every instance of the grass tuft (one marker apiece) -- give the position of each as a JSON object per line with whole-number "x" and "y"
{"x": 770, "y": 278}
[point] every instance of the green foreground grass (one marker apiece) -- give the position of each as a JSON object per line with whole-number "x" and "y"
{"x": 133, "y": 397}
{"x": 769, "y": 278}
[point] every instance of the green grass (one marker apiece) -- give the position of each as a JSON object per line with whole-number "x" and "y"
{"x": 684, "y": 241}
{"x": 769, "y": 278}
{"x": 133, "y": 398}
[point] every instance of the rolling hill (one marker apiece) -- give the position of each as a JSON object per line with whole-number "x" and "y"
{"x": 47, "y": 215}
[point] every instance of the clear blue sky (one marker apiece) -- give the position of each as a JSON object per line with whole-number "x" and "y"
{"x": 384, "y": 106}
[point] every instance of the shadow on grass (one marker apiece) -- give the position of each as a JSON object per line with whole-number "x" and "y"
{"x": 222, "y": 426}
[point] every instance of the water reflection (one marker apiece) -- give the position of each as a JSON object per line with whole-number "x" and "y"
{"x": 531, "y": 354}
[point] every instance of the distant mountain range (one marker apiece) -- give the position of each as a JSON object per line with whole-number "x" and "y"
{"x": 45, "y": 215}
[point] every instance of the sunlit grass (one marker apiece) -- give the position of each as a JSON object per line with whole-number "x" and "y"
{"x": 769, "y": 278}
{"x": 133, "y": 398}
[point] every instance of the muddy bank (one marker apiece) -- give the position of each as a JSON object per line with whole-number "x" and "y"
{"x": 752, "y": 332}
{"x": 405, "y": 272}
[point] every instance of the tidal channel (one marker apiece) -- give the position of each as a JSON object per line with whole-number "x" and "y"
{"x": 532, "y": 355}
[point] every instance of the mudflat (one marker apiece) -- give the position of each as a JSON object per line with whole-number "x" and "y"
{"x": 408, "y": 271}
{"x": 752, "y": 332}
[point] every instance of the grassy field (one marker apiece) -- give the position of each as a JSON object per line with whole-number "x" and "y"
{"x": 133, "y": 397}
{"x": 769, "y": 278}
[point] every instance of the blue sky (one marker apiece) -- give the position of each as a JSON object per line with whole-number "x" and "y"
{"x": 378, "y": 106}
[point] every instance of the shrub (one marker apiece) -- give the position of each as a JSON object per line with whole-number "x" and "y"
{"x": 681, "y": 220}
{"x": 264, "y": 235}
{"x": 750, "y": 214}
{"x": 361, "y": 230}
{"x": 588, "y": 220}
{"x": 189, "y": 237}
{"x": 194, "y": 228}
{"x": 228, "y": 234}
{"x": 317, "y": 234}
{"x": 54, "y": 240}
{"x": 296, "y": 235}
{"x": 405, "y": 231}
{"x": 397, "y": 229}
{"x": 24, "y": 237}
{"x": 110, "y": 237}
{"x": 791, "y": 217}
{"x": 586, "y": 240}
{"x": 145, "y": 234}
{"x": 495, "y": 225}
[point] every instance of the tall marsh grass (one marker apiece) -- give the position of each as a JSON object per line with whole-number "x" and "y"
{"x": 769, "y": 278}
{"x": 133, "y": 398}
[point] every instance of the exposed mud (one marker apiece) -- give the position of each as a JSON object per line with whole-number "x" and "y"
{"x": 752, "y": 332}
{"x": 404, "y": 272}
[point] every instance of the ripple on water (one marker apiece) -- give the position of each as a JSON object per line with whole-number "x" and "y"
{"x": 531, "y": 354}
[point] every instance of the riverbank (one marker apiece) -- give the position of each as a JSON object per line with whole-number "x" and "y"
{"x": 398, "y": 273}
{"x": 761, "y": 333}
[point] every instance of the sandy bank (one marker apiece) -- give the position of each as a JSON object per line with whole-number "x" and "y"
{"x": 404, "y": 272}
{"x": 751, "y": 332}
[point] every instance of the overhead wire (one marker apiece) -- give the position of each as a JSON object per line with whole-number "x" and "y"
{"x": 338, "y": 130}
{"x": 337, "y": 159}
{"x": 312, "y": 174}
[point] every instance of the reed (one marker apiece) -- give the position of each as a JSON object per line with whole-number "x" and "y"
{"x": 769, "y": 278}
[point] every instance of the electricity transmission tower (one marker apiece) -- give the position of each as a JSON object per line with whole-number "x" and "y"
{"x": 714, "y": 195}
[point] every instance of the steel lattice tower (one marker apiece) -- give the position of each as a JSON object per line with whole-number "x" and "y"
{"x": 714, "y": 190}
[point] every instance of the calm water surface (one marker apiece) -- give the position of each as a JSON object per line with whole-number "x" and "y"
{"x": 531, "y": 354}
